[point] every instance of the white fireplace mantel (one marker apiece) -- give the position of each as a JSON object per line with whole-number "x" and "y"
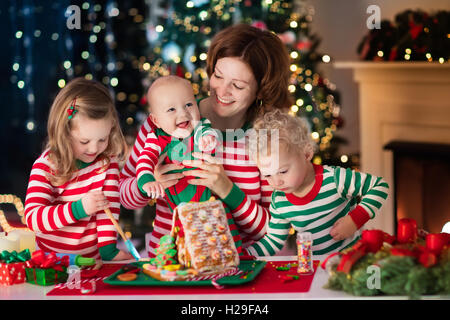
{"x": 407, "y": 101}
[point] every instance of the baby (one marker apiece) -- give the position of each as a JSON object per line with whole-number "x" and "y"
{"x": 178, "y": 131}
{"x": 332, "y": 203}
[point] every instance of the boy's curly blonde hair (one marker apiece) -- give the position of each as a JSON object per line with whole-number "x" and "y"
{"x": 291, "y": 131}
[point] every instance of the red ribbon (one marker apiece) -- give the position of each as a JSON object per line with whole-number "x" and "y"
{"x": 324, "y": 262}
{"x": 423, "y": 254}
{"x": 406, "y": 230}
{"x": 371, "y": 241}
{"x": 348, "y": 259}
{"x": 45, "y": 261}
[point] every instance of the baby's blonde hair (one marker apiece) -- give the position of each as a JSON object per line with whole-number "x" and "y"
{"x": 292, "y": 132}
{"x": 94, "y": 101}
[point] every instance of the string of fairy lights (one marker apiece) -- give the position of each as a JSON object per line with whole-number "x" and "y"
{"x": 26, "y": 32}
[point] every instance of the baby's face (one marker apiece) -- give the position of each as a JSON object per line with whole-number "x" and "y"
{"x": 174, "y": 109}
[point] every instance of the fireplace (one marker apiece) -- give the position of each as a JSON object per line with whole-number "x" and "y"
{"x": 404, "y": 102}
{"x": 421, "y": 187}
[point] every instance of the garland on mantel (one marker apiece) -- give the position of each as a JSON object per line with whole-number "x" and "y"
{"x": 413, "y": 36}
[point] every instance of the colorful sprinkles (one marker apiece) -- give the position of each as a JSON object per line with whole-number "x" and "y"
{"x": 304, "y": 254}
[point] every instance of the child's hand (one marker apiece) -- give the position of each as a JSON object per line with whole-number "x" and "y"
{"x": 98, "y": 264}
{"x": 207, "y": 143}
{"x": 153, "y": 189}
{"x": 94, "y": 201}
{"x": 122, "y": 255}
{"x": 343, "y": 228}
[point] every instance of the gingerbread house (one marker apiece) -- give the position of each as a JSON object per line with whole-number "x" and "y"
{"x": 203, "y": 237}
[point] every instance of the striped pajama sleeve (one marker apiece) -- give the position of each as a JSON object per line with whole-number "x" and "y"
{"x": 275, "y": 239}
{"x": 130, "y": 196}
{"x": 41, "y": 215}
{"x": 251, "y": 217}
{"x": 372, "y": 190}
{"x": 147, "y": 161}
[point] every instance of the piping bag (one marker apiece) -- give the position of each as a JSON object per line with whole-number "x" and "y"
{"x": 77, "y": 260}
{"x": 128, "y": 243}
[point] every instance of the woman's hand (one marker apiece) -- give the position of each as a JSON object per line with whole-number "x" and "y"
{"x": 160, "y": 173}
{"x": 211, "y": 174}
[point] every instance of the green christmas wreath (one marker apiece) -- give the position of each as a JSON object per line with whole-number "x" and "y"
{"x": 413, "y": 268}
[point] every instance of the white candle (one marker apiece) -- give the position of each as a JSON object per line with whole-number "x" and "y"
{"x": 446, "y": 228}
{"x": 9, "y": 243}
{"x": 27, "y": 239}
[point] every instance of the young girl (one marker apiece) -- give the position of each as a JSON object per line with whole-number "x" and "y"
{"x": 332, "y": 203}
{"x": 77, "y": 176}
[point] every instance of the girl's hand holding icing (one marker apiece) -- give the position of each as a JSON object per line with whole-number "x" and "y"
{"x": 94, "y": 201}
{"x": 123, "y": 255}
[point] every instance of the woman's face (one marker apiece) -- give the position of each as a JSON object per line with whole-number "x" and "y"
{"x": 232, "y": 87}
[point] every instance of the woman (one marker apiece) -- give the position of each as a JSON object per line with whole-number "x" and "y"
{"x": 249, "y": 73}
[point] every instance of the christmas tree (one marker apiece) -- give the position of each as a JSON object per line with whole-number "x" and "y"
{"x": 180, "y": 36}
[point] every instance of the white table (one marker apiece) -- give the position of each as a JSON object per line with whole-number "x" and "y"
{"x": 27, "y": 291}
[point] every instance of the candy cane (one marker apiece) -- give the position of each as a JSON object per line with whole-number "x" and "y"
{"x": 215, "y": 277}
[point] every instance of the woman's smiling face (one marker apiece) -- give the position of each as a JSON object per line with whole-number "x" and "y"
{"x": 233, "y": 87}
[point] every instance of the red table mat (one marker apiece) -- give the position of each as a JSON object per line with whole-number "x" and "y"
{"x": 268, "y": 281}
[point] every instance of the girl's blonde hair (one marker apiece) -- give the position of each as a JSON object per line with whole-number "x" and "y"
{"x": 291, "y": 131}
{"x": 94, "y": 101}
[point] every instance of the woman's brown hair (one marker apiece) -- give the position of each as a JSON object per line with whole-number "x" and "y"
{"x": 266, "y": 56}
{"x": 92, "y": 100}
